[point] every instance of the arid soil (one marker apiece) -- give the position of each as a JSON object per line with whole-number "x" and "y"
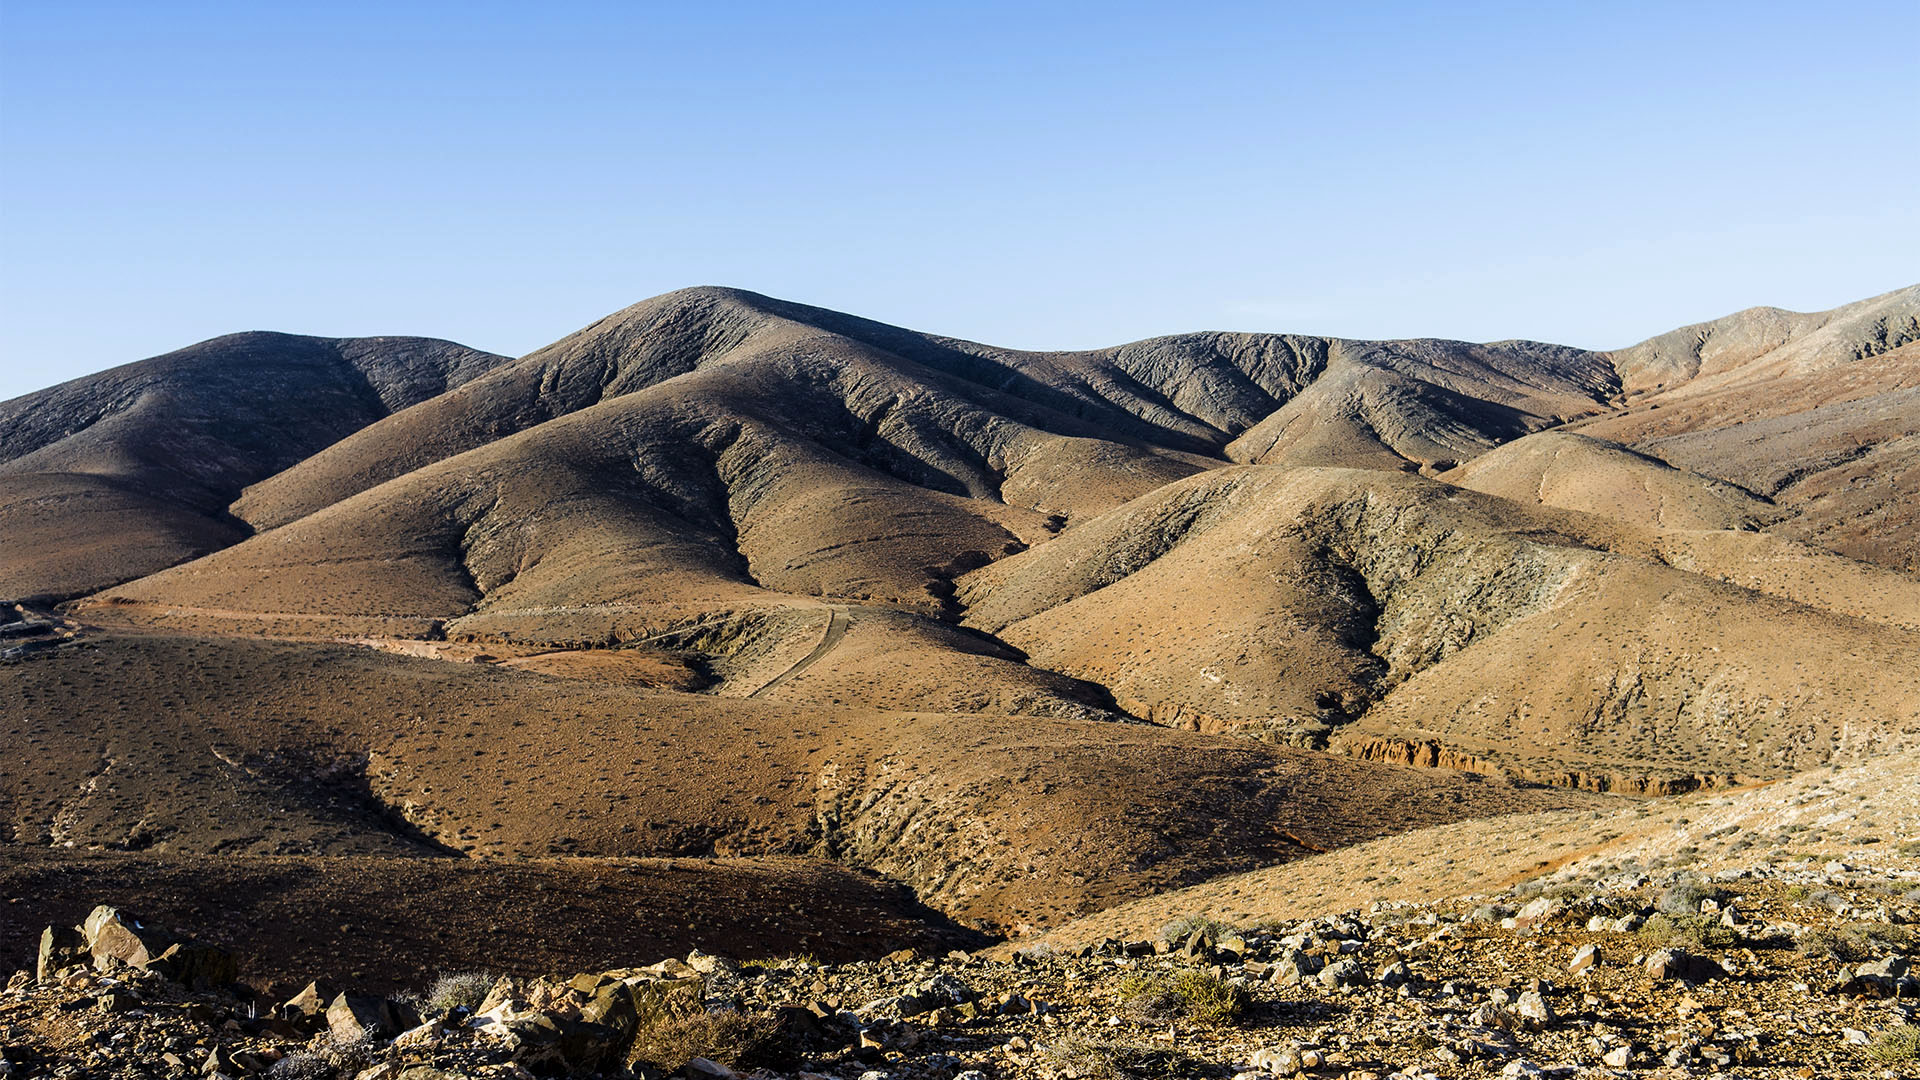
{"x": 387, "y": 923}
{"x": 1655, "y": 957}
{"x": 174, "y": 745}
{"x": 876, "y": 639}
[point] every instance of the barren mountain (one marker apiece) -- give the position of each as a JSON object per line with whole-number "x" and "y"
{"x": 119, "y": 474}
{"x": 1819, "y": 413}
{"x": 1396, "y": 609}
{"x": 1031, "y": 634}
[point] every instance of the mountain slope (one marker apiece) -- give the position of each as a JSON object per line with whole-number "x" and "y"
{"x": 192, "y": 746}
{"x": 116, "y": 475}
{"x": 1030, "y": 632}
{"x": 1383, "y": 607}
{"x": 1819, "y": 413}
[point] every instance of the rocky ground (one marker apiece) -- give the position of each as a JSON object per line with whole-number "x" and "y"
{"x": 1790, "y": 968}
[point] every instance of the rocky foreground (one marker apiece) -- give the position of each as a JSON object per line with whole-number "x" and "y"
{"x": 1795, "y": 969}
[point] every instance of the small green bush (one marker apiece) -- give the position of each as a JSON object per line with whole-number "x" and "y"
{"x": 1209, "y": 928}
{"x": 1195, "y": 995}
{"x": 1896, "y": 1046}
{"x": 1688, "y": 931}
{"x": 727, "y": 1036}
{"x": 458, "y": 990}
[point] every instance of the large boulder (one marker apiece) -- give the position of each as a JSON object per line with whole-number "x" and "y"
{"x": 60, "y": 947}
{"x": 1677, "y": 964}
{"x": 555, "y": 1045}
{"x": 115, "y": 937}
{"x": 308, "y": 1008}
{"x": 351, "y": 1016}
{"x": 1887, "y": 977}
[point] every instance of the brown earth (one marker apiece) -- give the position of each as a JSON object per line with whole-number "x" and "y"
{"x": 117, "y": 475}
{"x": 388, "y": 924}
{"x": 730, "y": 577}
{"x": 1868, "y": 813}
{"x": 174, "y": 745}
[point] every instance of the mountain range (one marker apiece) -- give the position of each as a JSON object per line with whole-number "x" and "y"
{"x": 1033, "y": 634}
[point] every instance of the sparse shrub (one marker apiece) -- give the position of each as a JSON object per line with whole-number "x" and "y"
{"x": 1084, "y": 1058}
{"x": 302, "y": 1066}
{"x": 1195, "y": 995}
{"x": 1856, "y": 941}
{"x": 1683, "y": 897}
{"x": 786, "y": 960}
{"x": 1687, "y": 931}
{"x": 728, "y": 1037}
{"x": 1150, "y": 996}
{"x": 1181, "y": 928}
{"x": 1832, "y": 901}
{"x": 1489, "y": 913}
{"x": 350, "y": 1054}
{"x": 1209, "y": 999}
{"x": 459, "y": 990}
{"x": 1844, "y": 943}
{"x": 1896, "y": 1045}
{"x": 1089, "y": 1059}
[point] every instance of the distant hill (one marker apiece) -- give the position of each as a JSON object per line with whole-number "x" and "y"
{"x": 116, "y": 475}
{"x": 1035, "y": 633}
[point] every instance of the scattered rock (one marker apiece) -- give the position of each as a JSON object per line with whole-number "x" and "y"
{"x": 1343, "y": 973}
{"x": 1585, "y": 958}
{"x": 1677, "y": 964}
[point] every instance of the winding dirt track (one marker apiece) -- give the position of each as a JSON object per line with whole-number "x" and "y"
{"x": 836, "y": 629}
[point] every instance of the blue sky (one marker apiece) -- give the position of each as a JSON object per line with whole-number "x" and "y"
{"x": 1039, "y": 175}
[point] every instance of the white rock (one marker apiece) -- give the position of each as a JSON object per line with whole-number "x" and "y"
{"x": 1585, "y": 958}
{"x": 1539, "y": 908}
{"x": 1283, "y": 1060}
{"x": 427, "y": 1034}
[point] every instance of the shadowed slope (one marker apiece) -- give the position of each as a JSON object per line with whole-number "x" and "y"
{"x": 119, "y": 474}
{"x": 726, "y": 350}
{"x": 1394, "y": 405}
{"x": 1829, "y": 814}
{"x": 398, "y": 924}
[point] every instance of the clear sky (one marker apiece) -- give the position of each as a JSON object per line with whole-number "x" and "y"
{"x": 1030, "y": 174}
